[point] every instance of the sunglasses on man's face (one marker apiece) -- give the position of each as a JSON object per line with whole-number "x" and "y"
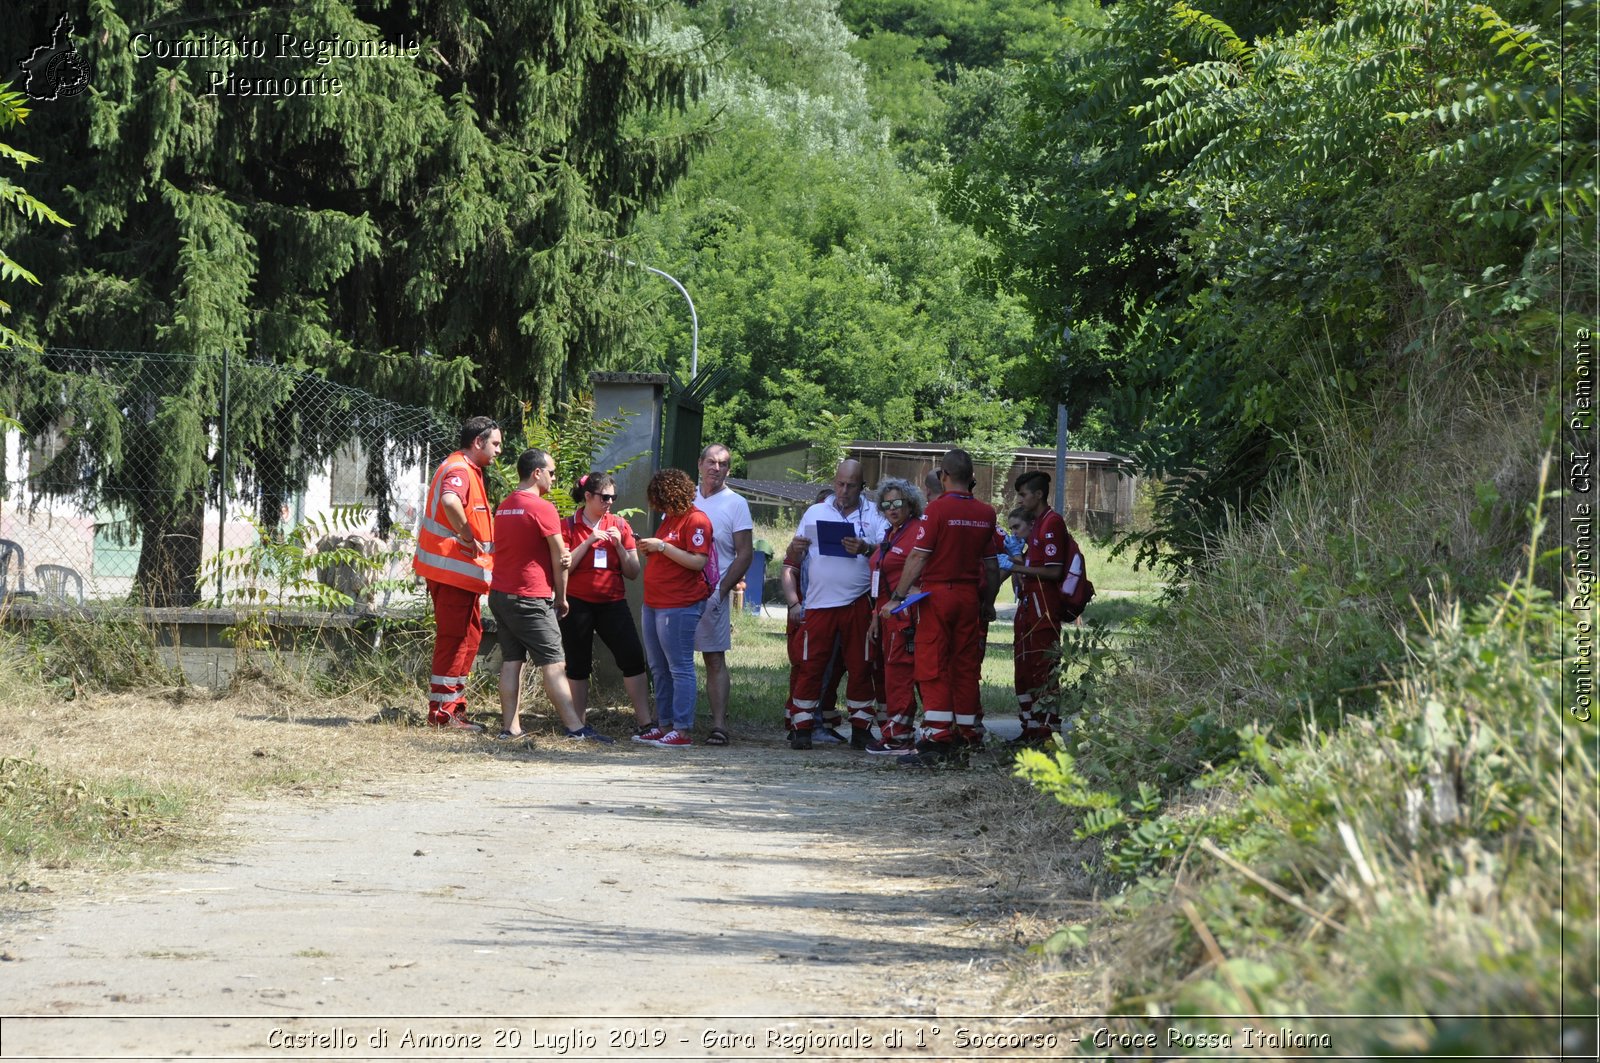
{"x": 898, "y": 503}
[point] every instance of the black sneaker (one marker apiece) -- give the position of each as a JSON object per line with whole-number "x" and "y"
{"x": 800, "y": 739}
{"x": 933, "y": 755}
{"x": 860, "y": 737}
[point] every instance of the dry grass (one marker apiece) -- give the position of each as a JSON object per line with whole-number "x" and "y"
{"x": 152, "y": 771}
{"x": 1041, "y": 880}
{"x": 219, "y": 746}
{"x": 1018, "y": 875}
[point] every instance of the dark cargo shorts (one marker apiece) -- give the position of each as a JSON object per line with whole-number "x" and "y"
{"x": 528, "y": 628}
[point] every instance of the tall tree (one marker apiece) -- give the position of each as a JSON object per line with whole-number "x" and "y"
{"x": 1241, "y": 208}
{"x": 435, "y": 181}
{"x": 921, "y": 56}
{"x": 825, "y": 278}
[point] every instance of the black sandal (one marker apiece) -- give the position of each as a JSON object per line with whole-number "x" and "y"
{"x": 717, "y": 737}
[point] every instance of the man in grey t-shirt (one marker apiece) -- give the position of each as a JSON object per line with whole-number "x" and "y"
{"x": 732, "y": 533}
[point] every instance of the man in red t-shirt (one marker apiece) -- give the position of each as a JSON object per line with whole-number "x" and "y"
{"x": 955, "y": 533}
{"x": 1038, "y": 618}
{"x": 528, "y": 595}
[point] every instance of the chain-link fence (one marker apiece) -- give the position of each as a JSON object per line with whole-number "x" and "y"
{"x": 200, "y": 479}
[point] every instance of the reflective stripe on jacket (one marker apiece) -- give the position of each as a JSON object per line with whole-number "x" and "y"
{"x": 440, "y": 555}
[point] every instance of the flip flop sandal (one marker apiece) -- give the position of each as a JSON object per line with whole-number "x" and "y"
{"x": 717, "y": 737}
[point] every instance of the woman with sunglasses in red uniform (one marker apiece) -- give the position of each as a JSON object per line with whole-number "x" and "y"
{"x": 604, "y": 552}
{"x": 893, "y": 635}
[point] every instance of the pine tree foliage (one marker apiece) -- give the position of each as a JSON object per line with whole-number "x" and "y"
{"x": 436, "y": 230}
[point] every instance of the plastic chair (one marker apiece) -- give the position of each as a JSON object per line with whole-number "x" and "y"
{"x": 11, "y": 556}
{"x": 53, "y": 582}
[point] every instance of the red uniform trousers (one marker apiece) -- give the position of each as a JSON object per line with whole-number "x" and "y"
{"x": 458, "y": 630}
{"x": 949, "y": 660}
{"x": 819, "y": 629}
{"x": 896, "y": 687}
{"x": 972, "y": 726}
{"x": 797, "y": 632}
{"x": 1038, "y": 666}
{"x": 828, "y": 710}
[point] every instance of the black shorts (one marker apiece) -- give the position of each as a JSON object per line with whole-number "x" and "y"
{"x": 613, "y": 622}
{"x": 527, "y": 628}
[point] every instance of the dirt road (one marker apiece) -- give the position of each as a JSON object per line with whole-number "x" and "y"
{"x": 741, "y": 903}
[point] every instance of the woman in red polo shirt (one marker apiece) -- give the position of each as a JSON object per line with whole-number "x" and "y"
{"x": 676, "y": 586}
{"x": 603, "y": 554}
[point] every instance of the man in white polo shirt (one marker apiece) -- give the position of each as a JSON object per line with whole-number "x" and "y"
{"x": 840, "y": 532}
{"x": 732, "y": 531}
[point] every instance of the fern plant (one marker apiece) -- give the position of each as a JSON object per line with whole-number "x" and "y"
{"x": 13, "y": 111}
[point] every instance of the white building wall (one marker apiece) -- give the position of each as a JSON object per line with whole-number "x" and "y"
{"x": 48, "y": 531}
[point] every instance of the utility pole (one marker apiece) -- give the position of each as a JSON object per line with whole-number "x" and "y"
{"x": 222, "y": 479}
{"x": 1061, "y": 420}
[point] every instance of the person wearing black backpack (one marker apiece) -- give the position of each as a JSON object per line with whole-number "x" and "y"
{"x": 1054, "y": 588}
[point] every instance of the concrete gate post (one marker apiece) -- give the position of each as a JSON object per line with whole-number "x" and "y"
{"x": 640, "y": 396}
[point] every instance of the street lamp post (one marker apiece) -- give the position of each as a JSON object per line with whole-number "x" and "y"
{"x": 694, "y": 319}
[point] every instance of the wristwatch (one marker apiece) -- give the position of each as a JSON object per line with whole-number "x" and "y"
{"x": 897, "y": 597}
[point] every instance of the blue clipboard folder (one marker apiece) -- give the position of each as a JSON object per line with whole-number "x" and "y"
{"x": 908, "y": 603}
{"x": 831, "y": 535}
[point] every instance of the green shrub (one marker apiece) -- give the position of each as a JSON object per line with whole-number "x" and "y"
{"x": 1294, "y": 616}
{"x": 1436, "y": 857}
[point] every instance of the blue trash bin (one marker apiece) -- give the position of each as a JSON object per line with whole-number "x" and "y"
{"x": 756, "y": 579}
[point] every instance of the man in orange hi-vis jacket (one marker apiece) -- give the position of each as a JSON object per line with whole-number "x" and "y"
{"x": 455, "y": 554}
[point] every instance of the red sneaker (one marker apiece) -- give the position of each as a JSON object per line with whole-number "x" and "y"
{"x": 673, "y": 740}
{"x": 649, "y": 735}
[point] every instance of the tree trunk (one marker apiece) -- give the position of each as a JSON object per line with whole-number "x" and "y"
{"x": 169, "y": 563}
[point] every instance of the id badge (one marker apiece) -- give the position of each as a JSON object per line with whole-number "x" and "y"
{"x": 599, "y": 557}
{"x": 875, "y": 574}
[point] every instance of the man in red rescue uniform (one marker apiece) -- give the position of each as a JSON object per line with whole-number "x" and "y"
{"x": 956, "y": 531}
{"x": 455, "y": 555}
{"x": 1039, "y": 617}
